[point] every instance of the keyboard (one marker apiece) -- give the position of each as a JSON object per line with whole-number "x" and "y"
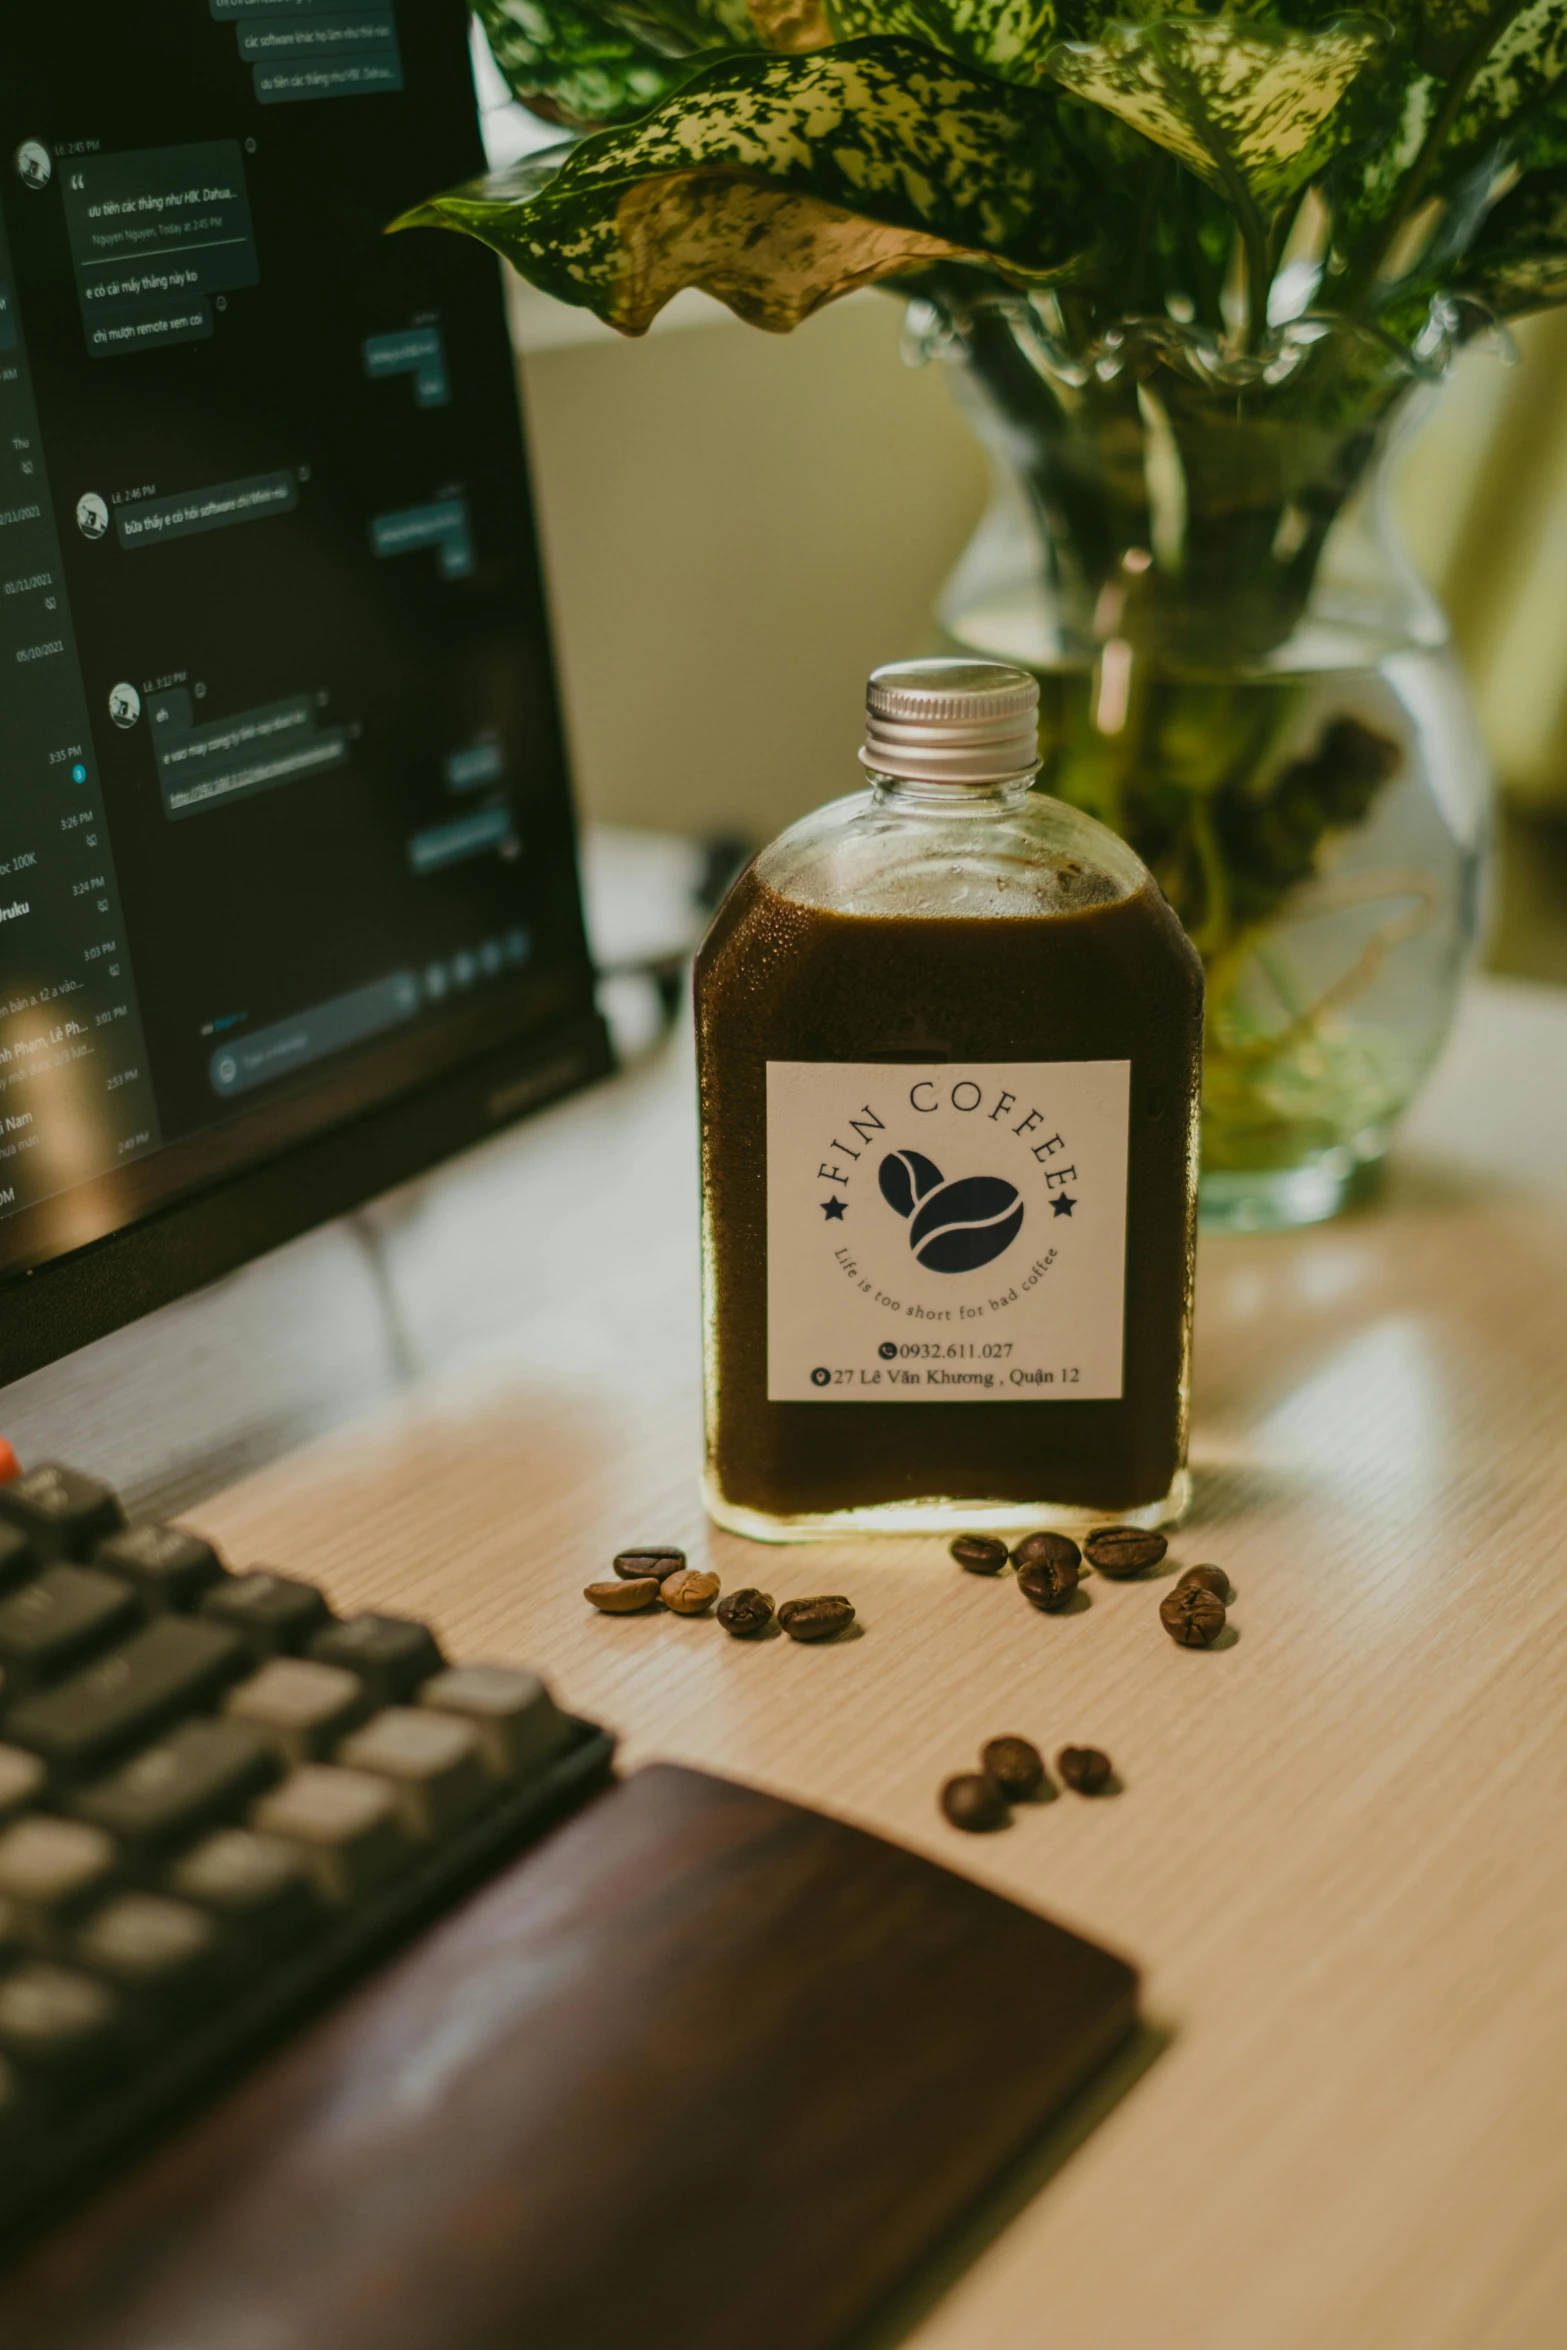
{"x": 218, "y": 1801}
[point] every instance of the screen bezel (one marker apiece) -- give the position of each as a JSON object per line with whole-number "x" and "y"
{"x": 67, "y": 1303}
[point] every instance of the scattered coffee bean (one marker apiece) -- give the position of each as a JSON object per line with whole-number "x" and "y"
{"x": 1047, "y": 1550}
{"x": 746, "y": 1613}
{"x": 1124, "y": 1550}
{"x": 1192, "y": 1616}
{"x": 973, "y": 1800}
{"x": 689, "y": 1593}
{"x": 652, "y": 1559}
{"x": 981, "y": 1554}
{"x": 1017, "y": 1768}
{"x": 623, "y": 1599}
{"x": 1212, "y": 1579}
{"x": 1048, "y": 1587}
{"x": 816, "y": 1619}
{"x": 1085, "y": 1768}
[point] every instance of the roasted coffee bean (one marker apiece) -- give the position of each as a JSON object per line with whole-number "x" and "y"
{"x": 816, "y": 1619}
{"x": 973, "y": 1800}
{"x": 689, "y": 1592}
{"x": 654, "y": 1559}
{"x": 1047, "y": 1550}
{"x": 1212, "y": 1579}
{"x": 1085, "y": 1768}
{"x": 981, "y": 1554}
{"x": 1017, "y": 1768}
{"x": 746, "y": 1613}
{"x": 1048, "y": 1587}
{"x": 623, "y": 1599}
{"x": 1192, "y": 1616}
{"x": 1124, "y": 1550}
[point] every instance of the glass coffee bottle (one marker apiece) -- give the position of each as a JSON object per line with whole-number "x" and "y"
{"x": 949, "y": 1038}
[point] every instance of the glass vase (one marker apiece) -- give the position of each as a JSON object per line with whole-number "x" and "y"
{"x": 1192, "y": 548}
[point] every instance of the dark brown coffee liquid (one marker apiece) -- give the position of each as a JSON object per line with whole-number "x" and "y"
{"x": 782, "y": 981}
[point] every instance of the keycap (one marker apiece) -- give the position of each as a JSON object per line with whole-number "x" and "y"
{"x": 201, "y": 1773}
{"x": 160, "y": 1950}
{"x": 22, "y": 1779}
{"x": 390, "y": 1655}
{"x": 259, "y": 1888}
{"x": 164, "y": 1565}
{"x": 18, "y": 1559}
{"x": 62, "y": 1512}
{"x": 176, "y": 1665}
{"x": 432, "y": 1761}
{"x": 215, "y": 1799}
{"x": 58, "y": 1619}
{"x": 55, "y": 2021}
{"x": 273, "y": 1614}
{"x": 301, "y": 1707}
{"x": 344, "y": 1825}
{"x": 50, "y": 1871}
{"x": 520, "y": 1728}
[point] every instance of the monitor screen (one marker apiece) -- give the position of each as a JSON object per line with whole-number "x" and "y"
{"x": 285, "y": 828}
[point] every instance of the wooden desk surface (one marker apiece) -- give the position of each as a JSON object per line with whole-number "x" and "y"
{"x": 1341, "y": 1852}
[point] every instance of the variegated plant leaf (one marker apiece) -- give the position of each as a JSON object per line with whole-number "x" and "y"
{"x": 1449, "y": 38}
{"x": 1012, "y": 38}
{"x": 682, "y": 28}
{"x": 777, "y": 183}
{"x": 1440, "y": 35}
{"x": 714, "y": 28}
{"x": 1541, "y": 144}
{"x": 1522, "y": 74}
{"x": 792, "y": 26}
{"x": 1383, "y": 126}
{"x": 1410, "y": 194}
{"x": 1432, "y": 181}
{"x": 1518, "y": 262}
{"x": 1444, "y": 34}
{"x": 576, "y": 62}
{"x": 1247, "y": 105}
{"x": 569, "y": 64}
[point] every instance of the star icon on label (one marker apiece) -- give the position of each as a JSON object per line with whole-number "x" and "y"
{"x": 1061, "y": 1205}
{"x": 833, "y": 1210}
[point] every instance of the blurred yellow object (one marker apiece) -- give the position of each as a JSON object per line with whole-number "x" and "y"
{"x": 1482, "y": 502}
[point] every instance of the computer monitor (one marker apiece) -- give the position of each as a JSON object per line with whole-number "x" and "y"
{"x": 288, "y": 895}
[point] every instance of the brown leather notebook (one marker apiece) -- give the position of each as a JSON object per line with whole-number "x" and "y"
{"x": 702, "y": 2071}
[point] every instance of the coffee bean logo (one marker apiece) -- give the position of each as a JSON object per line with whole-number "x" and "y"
{"x": 967, "y": 1224}
{"x": 905, "y": 1177}
{"x": 956, "y": 1227}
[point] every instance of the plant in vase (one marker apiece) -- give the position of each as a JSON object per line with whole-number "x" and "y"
{"x": 1193, "y": 267}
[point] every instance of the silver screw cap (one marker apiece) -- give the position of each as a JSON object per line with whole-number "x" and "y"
{"x": 951, "y": 721}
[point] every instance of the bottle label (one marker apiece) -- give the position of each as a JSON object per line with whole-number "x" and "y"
{"x": 951, "y": 1233}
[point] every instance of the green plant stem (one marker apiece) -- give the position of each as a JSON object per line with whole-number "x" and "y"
{"x": 1269, "y": 963}
{"x": 1257, "y": 275}
{"x": 1215, "y": 924}
{"x": 1205, "y": 284}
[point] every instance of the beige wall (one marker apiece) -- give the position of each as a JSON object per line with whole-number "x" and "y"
{"x": 1484, "y": 499}
{"x": 737, "y": 527}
